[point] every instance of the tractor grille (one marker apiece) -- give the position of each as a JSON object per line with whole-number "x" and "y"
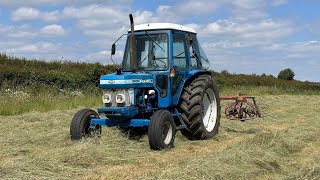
{"x": 128, "y": 99}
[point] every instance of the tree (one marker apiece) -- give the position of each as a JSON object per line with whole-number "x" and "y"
{"x": 286, "y": 74}
{"x": 225, "y": 72}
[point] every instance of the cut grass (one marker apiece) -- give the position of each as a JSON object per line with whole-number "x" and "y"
{"x": 284, "y": 144}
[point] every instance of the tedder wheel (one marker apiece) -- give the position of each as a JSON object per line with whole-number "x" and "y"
{"x": 242, "y": 114}
{"x": 80, "y": 125}
{"x": 162, "y": 130}
{"x": 200, "y": 108}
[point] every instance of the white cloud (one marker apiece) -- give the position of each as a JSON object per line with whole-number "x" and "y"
{"x": 99, "y": 17}
{"x": 246, "y": 10}
{"x": 29, "y": 13}
{"x": 150, "y": 17}
{"x": 52, "y": 16}
{"x": 27, "y": 3}
{"x": 25, "y": 13}
{"x": 261, "y": 31}
{"x": 196, "y": 8}
{"x": 248, "y": 4}
{"x": 279, "y": 2}
{"x": 53, "y": 30}
{"x": 39, "y": 48}
{"x": 93, "y": 10}
{"x": 181, "y": 10}
{"x": 22, "y": 34}
{"x": 102, "y": 25}
{"x": 26, "y": 32}
{"x": 96, "y": 17}
{"x": 5, "y": 28}
{"x": 227, "y": 44}
{"x": 10, "y": 31}
{"x": 17, "y": 3}
{"x": 104, "y": 57}
{"x": 312, "y": 47}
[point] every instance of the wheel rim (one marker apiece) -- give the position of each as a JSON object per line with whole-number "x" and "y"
{"x": 167, "y": 133}
{"x": 86, "y": 127}
{"x": 210, "y": 109}
{"x": 87, "y": 131}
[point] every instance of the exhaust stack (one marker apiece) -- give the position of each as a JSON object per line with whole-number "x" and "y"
{"x": 133, "y": 46}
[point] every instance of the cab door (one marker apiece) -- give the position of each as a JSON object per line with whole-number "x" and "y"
{"x": 180, "y": 64}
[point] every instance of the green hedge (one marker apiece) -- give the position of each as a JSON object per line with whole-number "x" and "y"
{"x": 232, "y": 80}
{"x": 20, "y": 72}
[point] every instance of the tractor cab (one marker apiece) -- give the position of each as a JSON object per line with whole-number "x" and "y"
{"x": 164, "y": 46}
{"x": 166, "y": 55}
{"x": 162, "y": 85}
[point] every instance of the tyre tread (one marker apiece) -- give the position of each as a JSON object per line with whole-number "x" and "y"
{"x": 190, "y": 107}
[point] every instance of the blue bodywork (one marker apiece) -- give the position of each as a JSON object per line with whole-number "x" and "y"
{"x": 133, "y": 80}
{"x": 138, "y": 114}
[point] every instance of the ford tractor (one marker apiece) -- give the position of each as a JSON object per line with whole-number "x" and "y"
{"x": 163, "y": 85}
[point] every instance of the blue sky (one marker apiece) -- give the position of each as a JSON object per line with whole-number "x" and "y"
{"x": 241, "y": 36}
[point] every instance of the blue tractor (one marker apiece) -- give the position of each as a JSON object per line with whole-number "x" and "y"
{"x": 163, "y": 85}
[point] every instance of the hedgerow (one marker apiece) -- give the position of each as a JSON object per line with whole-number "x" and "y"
{"x": 21, "y": 72}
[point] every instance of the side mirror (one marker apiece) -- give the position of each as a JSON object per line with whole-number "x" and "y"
{"x": 189, "y": 41}
{"x": 113, "y": 49}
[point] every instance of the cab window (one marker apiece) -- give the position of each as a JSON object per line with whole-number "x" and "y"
{"x": 179, "y": 51}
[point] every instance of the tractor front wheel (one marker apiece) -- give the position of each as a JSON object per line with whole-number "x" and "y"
{"x": 80, "y": 125}
{"x": 162, "y": 130}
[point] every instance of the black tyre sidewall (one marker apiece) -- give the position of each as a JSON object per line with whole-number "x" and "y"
{"x": 80, "y": 123}
{"x": 157, "y": 123}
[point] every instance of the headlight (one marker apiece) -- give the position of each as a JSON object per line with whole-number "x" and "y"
{"x": 106, "y": 98}
{"x": 120, "y": 99}
{"x": 151, "y": 92}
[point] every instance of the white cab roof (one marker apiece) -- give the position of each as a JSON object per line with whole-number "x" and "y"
{"x": 162, "y": 26}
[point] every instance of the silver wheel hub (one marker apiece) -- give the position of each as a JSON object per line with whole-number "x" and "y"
{"x": 210, "y": 110}
{"x": 167, "y": 133}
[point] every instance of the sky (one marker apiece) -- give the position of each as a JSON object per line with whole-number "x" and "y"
{"x": 240, "y": 36}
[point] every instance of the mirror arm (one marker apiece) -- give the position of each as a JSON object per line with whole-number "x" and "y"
{"x": 119, "y": 38}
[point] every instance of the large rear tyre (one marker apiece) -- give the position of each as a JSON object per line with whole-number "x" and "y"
{"x": 162, "y": 130}
{"x": 80, "y": 125}
{"x": 200, "y": 108}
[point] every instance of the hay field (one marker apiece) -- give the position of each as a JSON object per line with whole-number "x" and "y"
{"x": 284, "y": 144}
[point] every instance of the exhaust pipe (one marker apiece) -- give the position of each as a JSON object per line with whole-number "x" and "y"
{"x": 133, "y": 46}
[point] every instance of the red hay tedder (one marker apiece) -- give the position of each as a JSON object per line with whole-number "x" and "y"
{"x": 241, "y": 108}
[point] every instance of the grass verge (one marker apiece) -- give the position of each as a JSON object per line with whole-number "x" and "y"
{"x": 46, "y": 98}
{"x": 15, "y": 102}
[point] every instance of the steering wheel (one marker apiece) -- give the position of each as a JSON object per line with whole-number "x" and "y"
{"x": 155, "y": 64}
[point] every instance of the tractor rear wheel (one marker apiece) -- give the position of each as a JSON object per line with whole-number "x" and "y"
{"x": 200, "y": 108}
{"x": 162, "y": 130}
{"x": 80, "y": 125}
